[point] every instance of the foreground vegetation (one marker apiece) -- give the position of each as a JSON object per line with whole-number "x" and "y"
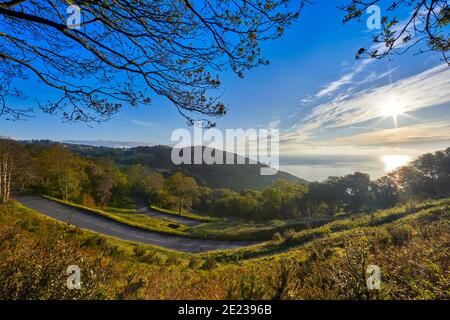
{"x": 409, "y": 243}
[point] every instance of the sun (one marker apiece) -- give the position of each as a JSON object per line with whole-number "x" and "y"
{"x": 393, "y": 110}
{"x": 393, "y": 107}
{"x": 394, "y": 161}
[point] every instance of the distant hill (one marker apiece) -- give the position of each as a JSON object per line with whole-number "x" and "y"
{"x": 236, "y": 177}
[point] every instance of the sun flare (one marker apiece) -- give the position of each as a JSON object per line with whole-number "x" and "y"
{"x": 394, "y": 161}
{"x": 393, "y": 110}
{"x": 393, "y": 107}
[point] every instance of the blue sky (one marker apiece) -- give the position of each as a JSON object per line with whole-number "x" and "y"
{"x": 333, "y": 111}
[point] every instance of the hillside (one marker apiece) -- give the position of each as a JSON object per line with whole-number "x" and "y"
{"x": 235, "y": 177}
{"x": 409, "y": 243}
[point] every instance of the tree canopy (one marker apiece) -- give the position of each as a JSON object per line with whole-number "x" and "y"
{"x": 426, "y": 24}
{"x": 123, "y": 52}
{"x": 126, "y": 49}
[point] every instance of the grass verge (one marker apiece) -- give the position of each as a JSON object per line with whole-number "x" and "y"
{"x": 188, "y": 215}
{"x": 147, "y": 223}
{"x": 254, "y": 231}
{"x": 408, "y": 243}
{"x": 292, "y": 239}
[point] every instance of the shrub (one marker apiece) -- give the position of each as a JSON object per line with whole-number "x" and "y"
{"x": 139, "y": 251}
{"x": 95, "y": 241}
{"x": 400, "y": 233}
{"x": 277, "y": 237}
{"x": 209, "y": 263}
{"x": 250, "y": 286}
{"x": 30, "y": 270}
{"x": 283, "y": 273}
{"x": 289, "y": 235}
{"x": 193, "y": 262}
{"x": 348, "y": 273}
{"x": 172, "y": 260}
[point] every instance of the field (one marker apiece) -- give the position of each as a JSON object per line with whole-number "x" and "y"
{"x": 409, "y": 243}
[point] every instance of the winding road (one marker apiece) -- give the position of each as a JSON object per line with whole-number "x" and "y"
{"x": 99, "y": 224}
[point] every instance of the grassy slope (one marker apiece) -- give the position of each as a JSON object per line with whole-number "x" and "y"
{"x": 336, "y": 228}
{"x": 410, "y": 243}
{"x": 253, "y": 231}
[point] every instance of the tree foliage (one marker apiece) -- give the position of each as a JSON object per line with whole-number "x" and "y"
{"x": 125, "y": 50}
{"x": 16, "y": 168}
{"x": 182, "y": 187}
{"x": 98, "y": 182}
{"x": 426, "y": 27}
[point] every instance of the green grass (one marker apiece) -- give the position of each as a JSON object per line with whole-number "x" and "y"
{"x": 408, "y": 242}
{"x": 133, "y": 219}
{"x": 193, "y": 216}
{"x": 336, "y": 229}
{"x": 300, "y": 230}
{"x": 253, "y": 231}
{"x": 216, "y": 229}
{"x": 37, "y": 222}
{"x": 119, "y": 210}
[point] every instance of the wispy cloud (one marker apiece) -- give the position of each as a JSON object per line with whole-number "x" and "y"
{"x": 345, "y": 79}
{"x": 274, "y": 124}
{"x": 360, "y": 66}
{"x": 410, "y": 135}
{"x": 146, "y": 124}
{"x": 424, "y": 90}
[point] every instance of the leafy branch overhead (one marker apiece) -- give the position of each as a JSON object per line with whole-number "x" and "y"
{"x": 126, "y": 50}
{"x": 426, "y": 28}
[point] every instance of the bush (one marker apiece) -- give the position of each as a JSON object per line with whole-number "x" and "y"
{"x": 349, "y": 272}
{"x": 250, "y": 286}
{"x": 95, "y": 241}
{"x": 30, "y": 270}
{"x": 277, "y": 237}
{"x": 289, "y": 235}
{"x": 209, "y": 264}
{"x": 139, "y": 251}
{"x": 400, "y": 233}
{"x": 193, "y": 262}
{"x": 284, "y": 272}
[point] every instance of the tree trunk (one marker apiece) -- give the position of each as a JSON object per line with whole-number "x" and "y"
{"x": 66, "y": 192}
{"x": 180, "y": 205}
{"x": 1, "y": 180}
{"x": 5, "y": 174}
{"x": 5, "y": 179}
{"x": 8, "y": 186}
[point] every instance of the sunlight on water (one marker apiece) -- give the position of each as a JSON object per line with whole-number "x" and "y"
{"x": 394, "y": 161}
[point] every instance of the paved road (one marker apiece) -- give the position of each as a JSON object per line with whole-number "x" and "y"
{"x": 93, "y": 222}
{"x": 153, "y": 213}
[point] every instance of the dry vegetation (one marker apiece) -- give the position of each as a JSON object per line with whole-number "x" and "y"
{"x": 409, "y": 243}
